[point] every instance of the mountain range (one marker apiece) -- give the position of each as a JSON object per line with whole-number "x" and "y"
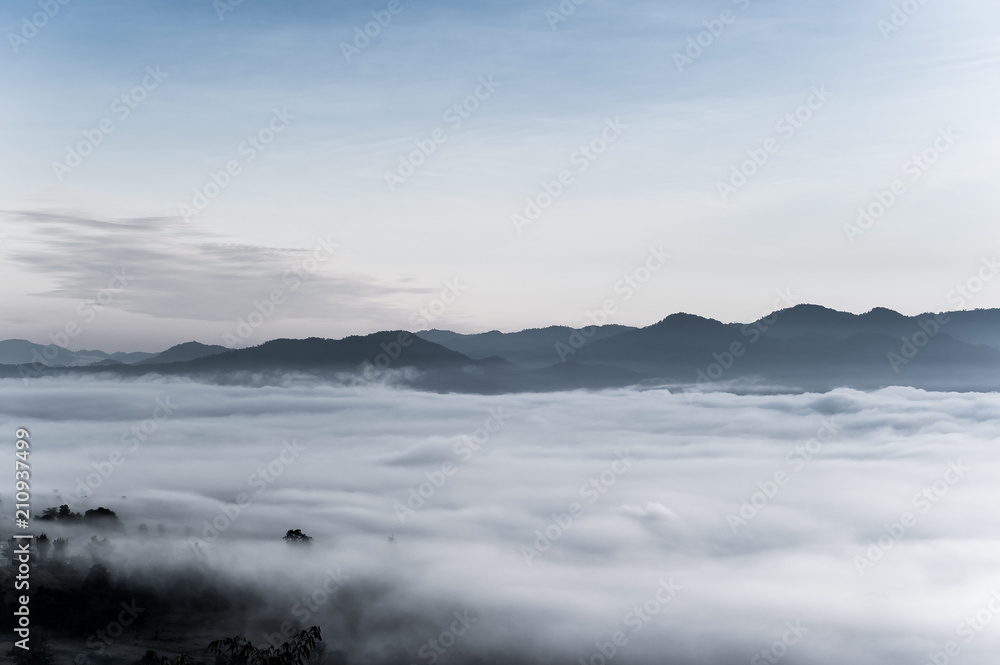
{"x": 806, "y": 347}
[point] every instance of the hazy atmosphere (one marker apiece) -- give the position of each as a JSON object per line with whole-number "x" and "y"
{"x": 571, "y": 332}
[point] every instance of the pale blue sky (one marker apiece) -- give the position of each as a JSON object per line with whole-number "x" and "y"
{"x": 323, "y": 174}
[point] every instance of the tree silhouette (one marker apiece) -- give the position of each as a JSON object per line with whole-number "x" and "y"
{"x": 98, "y": 578}
{"x": 296, "y": 537}
{"x": 61, "y": 514}
{"x": 242, "y": 652}
{"x": 103, "y": 518}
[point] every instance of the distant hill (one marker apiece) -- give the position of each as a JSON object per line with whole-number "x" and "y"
{"x": 813, "y": 347}
{"x": 107, "y": 362}
{"x": 535, "y": 347}
{"x": 22, "y": 352}
{"x": 382, "y": 348}
{"x": 183, "y": 353}
{"x": 133, "y": 357}
{"x": 803, "y": 347}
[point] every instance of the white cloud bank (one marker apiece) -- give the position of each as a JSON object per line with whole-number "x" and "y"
{"x": 555, "y": 519}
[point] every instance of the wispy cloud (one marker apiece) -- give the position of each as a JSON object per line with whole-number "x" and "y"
{"x": 179, "y": 270}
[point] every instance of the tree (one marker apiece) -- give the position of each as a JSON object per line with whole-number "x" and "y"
{"x": 43, "y": 544}
{"x": 62, "y": 514}
{"x": 102, "y": 517}
{"x": 99, "y": 547}
{"x": 59, "y": 547}
{"x": 296, "y": 537}
{"x": 293, "y": 652}
{"x": 98, "y": 577}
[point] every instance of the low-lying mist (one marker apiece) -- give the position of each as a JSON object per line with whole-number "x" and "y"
{"x": 620, "y": 525}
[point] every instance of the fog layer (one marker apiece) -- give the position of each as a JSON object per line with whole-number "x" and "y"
{"x": 700, "y": 528}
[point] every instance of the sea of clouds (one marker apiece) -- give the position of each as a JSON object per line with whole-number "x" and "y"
{"x": 618, "y": 526}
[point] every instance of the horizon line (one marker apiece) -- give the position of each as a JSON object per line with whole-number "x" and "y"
{"x": 511, "y": 332}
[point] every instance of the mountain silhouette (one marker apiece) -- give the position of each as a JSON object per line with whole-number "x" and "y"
{"x": 184, "y": 352}
{"x": 806, "y": 347}
{"x": 534, "y": 347}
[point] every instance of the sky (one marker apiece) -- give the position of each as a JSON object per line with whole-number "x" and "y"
{"x": 502, "y": 164}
